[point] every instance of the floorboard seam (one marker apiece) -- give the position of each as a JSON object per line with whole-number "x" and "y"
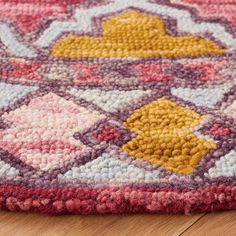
{"x": 192, "y": 224}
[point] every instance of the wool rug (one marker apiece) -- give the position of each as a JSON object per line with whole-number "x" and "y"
{"x": 117, "y": 106}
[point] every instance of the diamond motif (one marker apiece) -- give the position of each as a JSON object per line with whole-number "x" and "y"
{"x": 110, "y": 101}
{"x": 41, "y": 133}
{"x": 165, "y": 136}
{"x": 107, "y": 169}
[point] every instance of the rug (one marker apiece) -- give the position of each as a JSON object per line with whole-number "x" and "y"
{"x": 117, "y": 106}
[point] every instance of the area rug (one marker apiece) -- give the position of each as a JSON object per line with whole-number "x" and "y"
{"x": 117, "y": 106}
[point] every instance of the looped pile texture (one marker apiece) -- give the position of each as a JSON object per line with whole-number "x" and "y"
{"x": 117, "y": 106}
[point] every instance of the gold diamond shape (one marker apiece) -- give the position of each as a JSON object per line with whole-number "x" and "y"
{"x": 164, "y": 136}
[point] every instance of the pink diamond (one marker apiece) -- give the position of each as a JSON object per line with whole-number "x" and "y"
{"x": 41, "y": 133}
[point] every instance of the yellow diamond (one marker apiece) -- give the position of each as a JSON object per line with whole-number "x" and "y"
{"x": 165, "y": 136}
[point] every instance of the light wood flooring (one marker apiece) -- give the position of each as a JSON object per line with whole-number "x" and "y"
{"x": 27, "y": 224}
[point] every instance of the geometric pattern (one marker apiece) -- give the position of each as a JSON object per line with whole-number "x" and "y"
{"x": 44, "y": 129}
{"x": 159, "y": 44}
{"x": 120, "y": 172}
{"x": 110, "y": 101}
{"x": 117, "y": 106}
{"x": 225, "y": 166}
{"x": 10, "y": 93}
{"x": 201, "y": 97}
{"x": 165, "y": 133}
{"x": 208, "y": 10}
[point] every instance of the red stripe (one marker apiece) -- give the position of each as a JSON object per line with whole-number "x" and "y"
{"x": 117, "y": 199}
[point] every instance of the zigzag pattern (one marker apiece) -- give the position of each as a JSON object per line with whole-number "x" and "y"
{"x": 84, "y": 18}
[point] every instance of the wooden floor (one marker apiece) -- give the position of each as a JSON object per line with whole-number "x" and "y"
{"x": 26, "y": 224}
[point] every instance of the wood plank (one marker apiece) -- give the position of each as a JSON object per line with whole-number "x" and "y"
{"x": 18, "y": 224}
{"x": 214, "y": 224}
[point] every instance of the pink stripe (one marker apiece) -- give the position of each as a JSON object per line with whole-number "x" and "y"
{"x": 117, "y": 199}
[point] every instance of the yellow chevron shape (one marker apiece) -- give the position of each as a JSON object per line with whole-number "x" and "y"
{"x": 133, "y": 35}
